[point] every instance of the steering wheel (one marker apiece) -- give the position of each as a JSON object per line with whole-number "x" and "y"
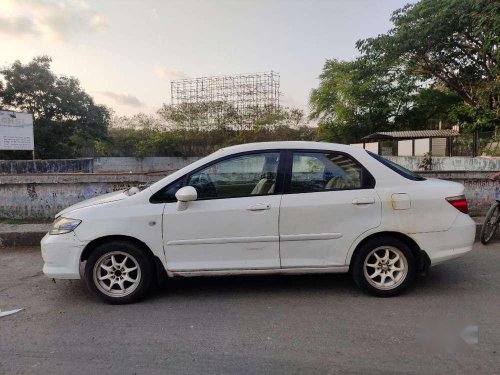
{"x": 205, "y": 185}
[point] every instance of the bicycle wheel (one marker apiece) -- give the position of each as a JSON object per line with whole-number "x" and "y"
{"x": 490, "y": 223}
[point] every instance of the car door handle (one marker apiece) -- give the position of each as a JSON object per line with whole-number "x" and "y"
{"x": 361, "y": 201}
{"x": 259, "y": 207}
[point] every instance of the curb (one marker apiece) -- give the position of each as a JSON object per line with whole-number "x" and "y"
{"x": 17, "y": 239}
{"x": 17, "y": 235}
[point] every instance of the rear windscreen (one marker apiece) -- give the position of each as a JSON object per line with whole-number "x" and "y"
{"x": 397, "y": 168}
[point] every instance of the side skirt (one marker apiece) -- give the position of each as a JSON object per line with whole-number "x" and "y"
{"x": 272, "y": 271}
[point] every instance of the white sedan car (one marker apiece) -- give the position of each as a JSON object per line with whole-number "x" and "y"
{"x": 265, "y": 208}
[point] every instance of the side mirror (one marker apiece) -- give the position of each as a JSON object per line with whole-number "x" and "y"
{"x": 185, "y": 195}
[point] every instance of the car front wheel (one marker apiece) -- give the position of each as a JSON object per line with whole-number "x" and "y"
{"x": 384, "y": 267}
{"x": 118, "y": 272}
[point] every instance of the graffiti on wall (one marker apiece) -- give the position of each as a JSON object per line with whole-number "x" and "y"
{"x": 480, "y": 194}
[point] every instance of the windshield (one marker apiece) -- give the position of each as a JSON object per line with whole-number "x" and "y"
{"x": 397, "y": 168}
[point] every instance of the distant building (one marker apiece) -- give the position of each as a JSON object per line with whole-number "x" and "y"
{"x": 411, "y": 142}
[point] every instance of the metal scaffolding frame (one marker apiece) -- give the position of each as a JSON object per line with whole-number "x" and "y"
{"x": 244, "y": 92}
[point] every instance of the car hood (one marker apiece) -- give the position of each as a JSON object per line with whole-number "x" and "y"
{"x": 101, "y": 199}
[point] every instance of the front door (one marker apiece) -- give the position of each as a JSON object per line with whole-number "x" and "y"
{"x": 328, "y": 202}
{"x": 234, "y": 222}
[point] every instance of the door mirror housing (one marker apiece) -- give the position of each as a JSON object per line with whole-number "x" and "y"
{"x": 184, "y": 195}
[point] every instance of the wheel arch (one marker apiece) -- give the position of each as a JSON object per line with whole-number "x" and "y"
{"x": 92, "y": 245}
{"x": 156, "y": 263}
{"x": 421, "y": 257}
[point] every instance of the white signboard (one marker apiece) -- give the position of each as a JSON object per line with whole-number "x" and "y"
{"x": 16, "y": 131}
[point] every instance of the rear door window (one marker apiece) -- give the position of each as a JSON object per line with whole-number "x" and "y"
{"x": 318, "y": 171}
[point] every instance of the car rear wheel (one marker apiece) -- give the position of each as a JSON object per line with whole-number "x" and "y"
{"x": 384, "y": 267}
{"x": 119, "y": 272}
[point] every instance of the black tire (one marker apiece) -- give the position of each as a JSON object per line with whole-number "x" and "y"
{"x": 395, "y": 247}
{"x": 136, "y": 257}
{"x": 488, "y": 229}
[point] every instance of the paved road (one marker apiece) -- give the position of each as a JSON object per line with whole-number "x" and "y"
{"x": 250, "y": 325}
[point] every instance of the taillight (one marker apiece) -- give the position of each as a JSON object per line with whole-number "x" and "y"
{"x": 459, "y": 202}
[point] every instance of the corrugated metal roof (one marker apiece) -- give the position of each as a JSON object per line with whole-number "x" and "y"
{"x": 413, "y": 134}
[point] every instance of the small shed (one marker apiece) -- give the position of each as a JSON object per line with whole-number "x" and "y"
{"x": 412, "y": 142}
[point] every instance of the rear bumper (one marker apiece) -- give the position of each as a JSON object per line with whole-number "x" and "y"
{"x": 61, "y": 256}
{"x": 450, "y": 244}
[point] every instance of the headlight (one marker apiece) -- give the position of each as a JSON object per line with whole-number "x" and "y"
{"x": 64, "y": 225}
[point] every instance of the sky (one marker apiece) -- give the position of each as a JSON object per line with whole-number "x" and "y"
{"x": 126, "y": 52}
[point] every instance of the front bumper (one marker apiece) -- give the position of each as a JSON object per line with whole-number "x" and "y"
{"x": 61, "y": 255}
{"x": 446, "y": 245}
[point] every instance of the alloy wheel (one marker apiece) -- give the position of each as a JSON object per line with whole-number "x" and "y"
{"x": 385, "y": 267}
{"x": 117, "y": 274}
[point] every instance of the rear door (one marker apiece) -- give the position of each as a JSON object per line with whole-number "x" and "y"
{"x": 329, "y": 201}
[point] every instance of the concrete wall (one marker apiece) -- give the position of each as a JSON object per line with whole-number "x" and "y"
{"x": 96, "y": 165}
{"x": 42, "y": 196}
{"x": 47, "y": 166}
{"x": 141, "y": 165}
{"x": 169, "y": 164}
{"x": 456, "y": 163}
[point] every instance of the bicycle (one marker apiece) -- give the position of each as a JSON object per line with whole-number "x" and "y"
{"x": 492, "y": 220}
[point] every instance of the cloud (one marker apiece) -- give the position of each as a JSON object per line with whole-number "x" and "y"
{"x": 164, "y": 72}
{"x": 55, "y": 21}
{"x": 98, "y": 23}
{"x": 288, "y": 101}
{"x": 17, "y": 25}
{"x": 154, "y": 14}
{"x": 125, "y": 99}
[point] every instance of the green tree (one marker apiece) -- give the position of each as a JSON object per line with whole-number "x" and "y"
{"x": 139, "y": 121}
{"x": 200, "y": 116}
{"x": 66, "y": 120}
{"x": 178, "y": 131}
{"x": 451, "y": 43}
{"x": 437, "y": 65}
{"x": 431, "y": 108}
{"x": 223, "y": 115}
{"x": 355, "y": 98}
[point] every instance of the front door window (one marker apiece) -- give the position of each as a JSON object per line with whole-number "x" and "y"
{"x": 241, "y": 176}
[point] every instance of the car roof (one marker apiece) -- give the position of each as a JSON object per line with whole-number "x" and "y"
{"x": 288, "y": 145}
